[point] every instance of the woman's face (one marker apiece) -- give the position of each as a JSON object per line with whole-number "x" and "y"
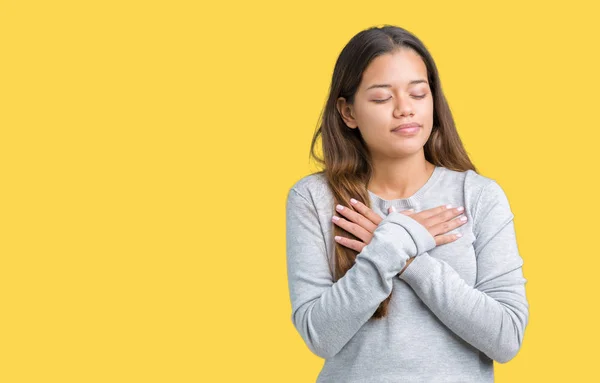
{"x": 394, "y": 90}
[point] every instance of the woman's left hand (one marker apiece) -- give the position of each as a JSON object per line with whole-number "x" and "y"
{"x": 362, "y": 223}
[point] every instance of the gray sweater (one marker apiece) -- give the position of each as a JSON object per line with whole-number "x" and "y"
{"x": 455, "y": 309}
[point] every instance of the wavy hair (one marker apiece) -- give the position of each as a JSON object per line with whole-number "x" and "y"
{"x": 346, "y": 161}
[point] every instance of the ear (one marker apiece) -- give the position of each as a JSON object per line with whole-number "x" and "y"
{"x": 346, "y": 112}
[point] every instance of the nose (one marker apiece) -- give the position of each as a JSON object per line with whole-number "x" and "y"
{"x": 403, "y": 107}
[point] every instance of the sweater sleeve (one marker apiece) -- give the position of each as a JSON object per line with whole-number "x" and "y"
{"x": 492, "y": 314}
{"x": 328, "y": 314}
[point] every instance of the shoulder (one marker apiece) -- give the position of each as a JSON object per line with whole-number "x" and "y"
{"x": 470, "y": 179}
{"x": 471, "y": 182}
{"x": 313, "y": 188}
{"x": 488, "y": 199}
{"x": 311, "y": 185}
{"x": 487, "y": 190}
{"x": 481, "y": 191}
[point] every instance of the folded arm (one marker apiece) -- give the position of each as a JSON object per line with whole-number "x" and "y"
{"x": 328, "y": 314}
{"x": 492, "y": 314}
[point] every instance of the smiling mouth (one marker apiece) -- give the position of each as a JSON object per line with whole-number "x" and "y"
{"x": 406, "y": 127}
{"x": 407, "y": 131}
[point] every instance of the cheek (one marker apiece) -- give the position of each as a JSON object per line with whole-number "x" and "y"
{"x": 373, "y": 116}
{"x": 427, "y": 107}
{"x": 426, "y": 111}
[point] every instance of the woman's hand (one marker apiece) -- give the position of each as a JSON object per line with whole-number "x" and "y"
{"x": 362, "y": 223}
{"x": 440, "y": 220}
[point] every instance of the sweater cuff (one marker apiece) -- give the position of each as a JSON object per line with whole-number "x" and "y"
{"x": 419, "y": 233}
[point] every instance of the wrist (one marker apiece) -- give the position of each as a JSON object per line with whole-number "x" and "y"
{"x": 408, "y": 261}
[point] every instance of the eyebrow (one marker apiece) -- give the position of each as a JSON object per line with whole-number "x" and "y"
{"x": 389, "y": 86}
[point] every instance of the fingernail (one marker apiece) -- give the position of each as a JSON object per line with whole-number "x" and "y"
{"x": 353, "y": 201}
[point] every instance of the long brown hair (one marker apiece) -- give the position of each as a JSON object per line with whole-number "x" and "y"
{"x": 347, "y": 162}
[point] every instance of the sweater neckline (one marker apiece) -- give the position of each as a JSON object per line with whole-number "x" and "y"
{"x": 408, "y": 202}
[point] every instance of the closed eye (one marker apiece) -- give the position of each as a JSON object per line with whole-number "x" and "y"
{"x": 382, "y": 101}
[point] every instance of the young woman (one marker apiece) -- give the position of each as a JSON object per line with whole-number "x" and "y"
{"x": 402, "y": 260}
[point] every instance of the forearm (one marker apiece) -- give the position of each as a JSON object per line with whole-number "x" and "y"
{"x": 328, "y": 318}
{"x": 492, "y": 322}
{"x": 328, "y": 314}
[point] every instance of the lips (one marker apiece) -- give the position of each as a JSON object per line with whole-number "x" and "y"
{"x": 409, "y": 125}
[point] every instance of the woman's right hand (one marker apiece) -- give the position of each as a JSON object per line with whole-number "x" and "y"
{"x": 438, "y": 221}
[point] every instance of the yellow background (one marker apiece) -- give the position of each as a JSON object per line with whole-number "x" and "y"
{"x": 147, "y": 149}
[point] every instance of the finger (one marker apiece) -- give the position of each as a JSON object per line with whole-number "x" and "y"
{"x": 448, "y": 214}
{"x": 444, "y": 239}
{"x": 353, "y": 228}
{"x": 350, "y": 243}
{"x": 434, "y": 211}
{"x": 444, "y": 227}
{"x": 357, "y": 218}
{"x": 365, "y": 211}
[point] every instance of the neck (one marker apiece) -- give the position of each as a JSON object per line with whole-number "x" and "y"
{"x": 395, "y": 178}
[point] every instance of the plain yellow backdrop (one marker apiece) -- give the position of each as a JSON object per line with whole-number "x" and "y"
{"x": 147, "y": 148}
